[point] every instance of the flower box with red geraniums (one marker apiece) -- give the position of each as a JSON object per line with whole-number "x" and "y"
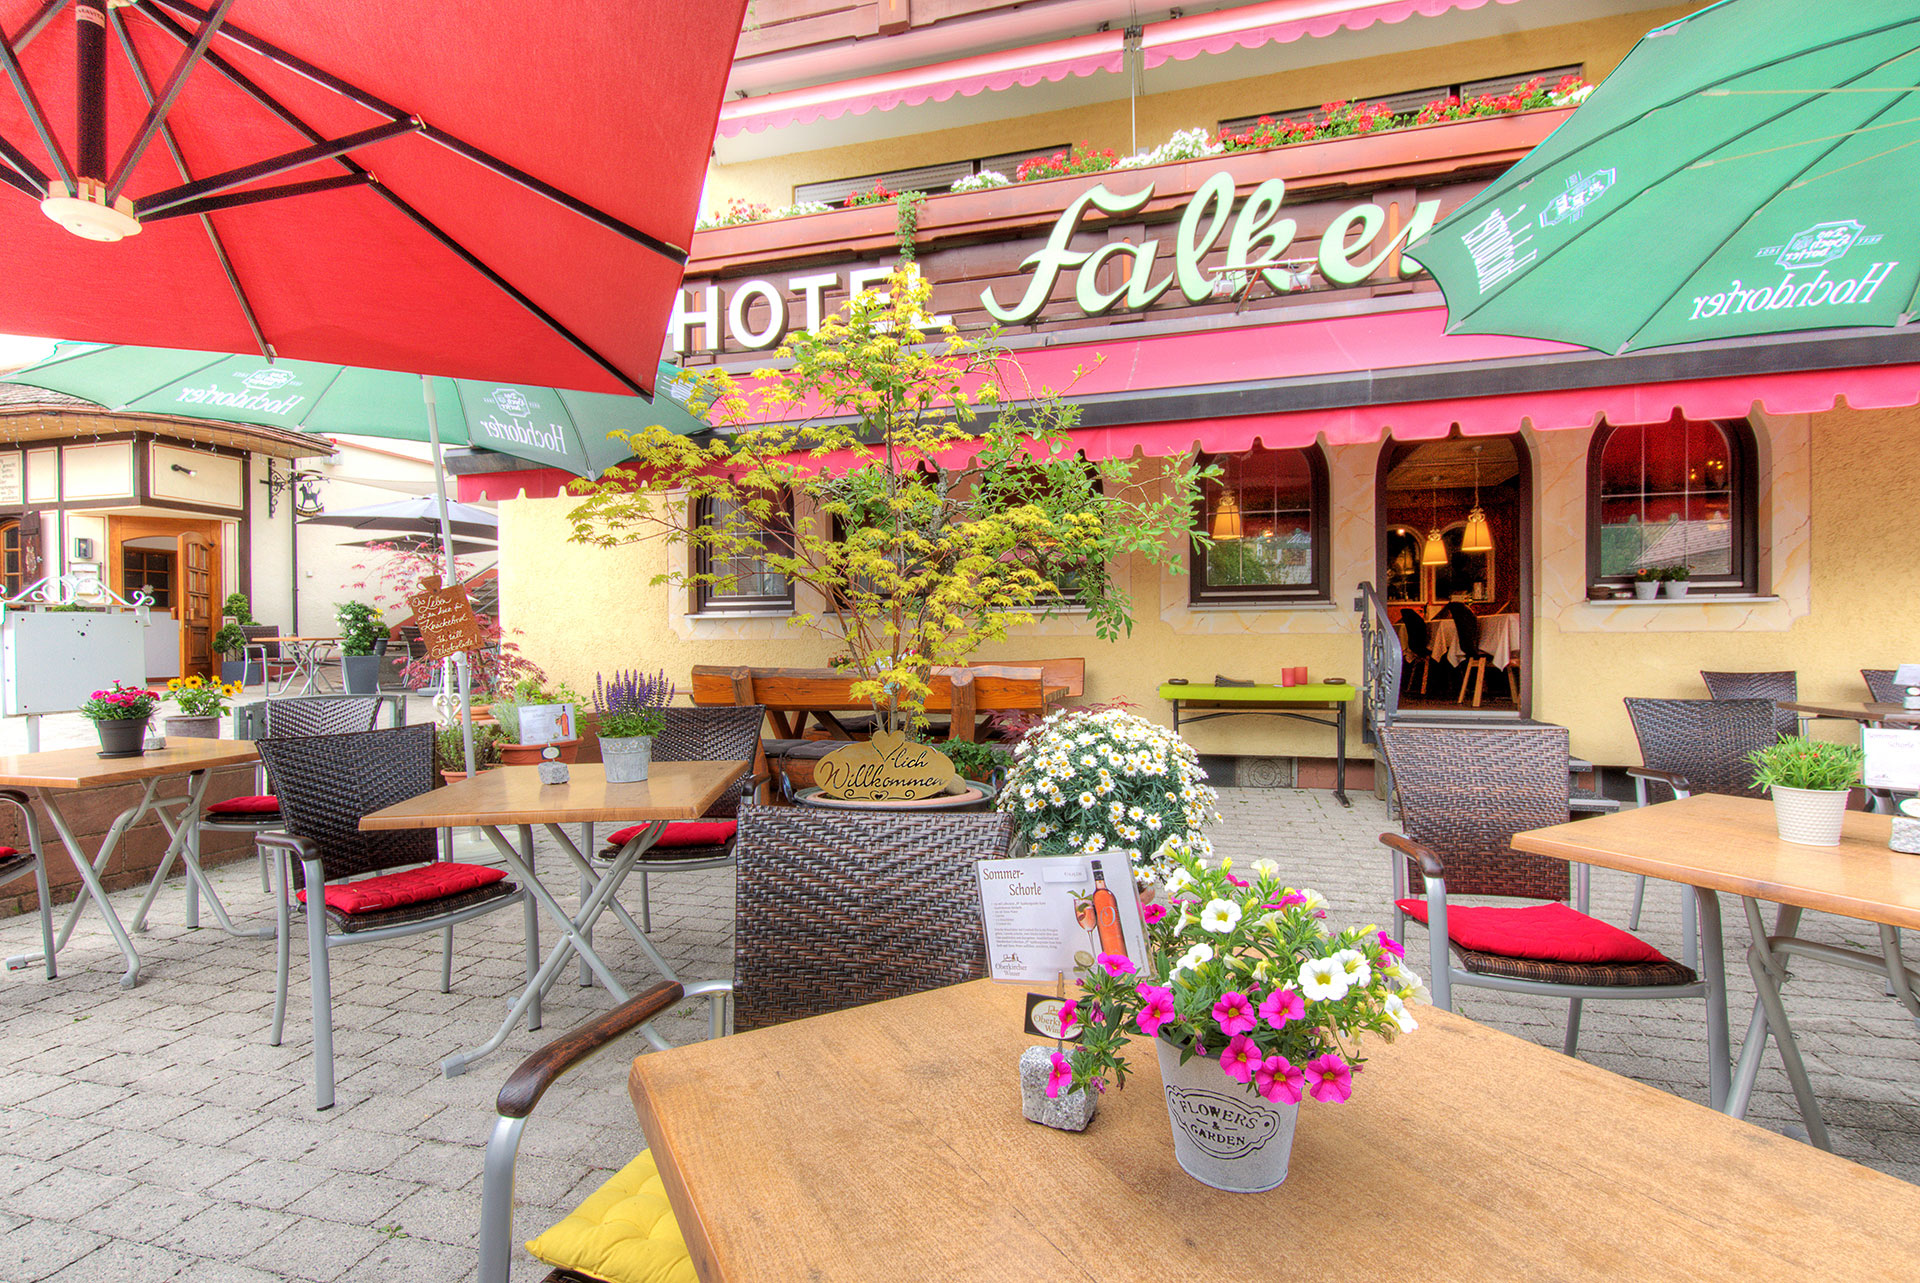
{"x": 1243, "y": 980}
{"x": 120, "y": 704}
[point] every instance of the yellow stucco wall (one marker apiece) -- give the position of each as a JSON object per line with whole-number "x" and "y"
{"x": 1841, "y": 588}
{"x": 1599, "y": 44}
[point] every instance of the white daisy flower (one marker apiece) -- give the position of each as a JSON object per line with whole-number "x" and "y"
{"x": 1220, "y": 916}
{"x": 1086, "y": 800}
{"x": 1324, "y": 980}
{"x": 1193, "y": 958}
{"x": 1401, "y": 1016}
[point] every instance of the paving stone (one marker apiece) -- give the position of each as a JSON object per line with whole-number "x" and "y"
{"x": 318, "y": 1250}
{"x": 227, "y": 1231}
{"x": 31, "y": 1134}
{"x": 144, "y": 1213}
{"x": 187, "y": 1166}
{"x": 270, "y": 1182}
{"x": 353, "y": 1199}
{"x": 120, "y": 1261}
{"x": 44, "y": 1249}
{"x": 64, "y": 1193}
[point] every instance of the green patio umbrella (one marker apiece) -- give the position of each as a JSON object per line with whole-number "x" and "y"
{"x": 1749, "y": 169}
{"x": 547, "y": 426}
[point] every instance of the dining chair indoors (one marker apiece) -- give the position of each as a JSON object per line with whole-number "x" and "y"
{"x": 375, "y": 885}
{"x": 834, "y": 909}
{"x": 1464, "y": 793}
{"x": 1419, "y": 647}
{"x": 1690, "y": 746}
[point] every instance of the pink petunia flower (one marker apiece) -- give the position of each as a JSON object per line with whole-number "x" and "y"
{"x": 1116, "y": 964}
{"x": 1281, "y": 1006}
{"x": 1235, "y": 1014}
{"x": 1060, "y": 1077}
{"x": 1158, "y": 1009}
{"x": 1280, "y": 1079}
{"x": 1239, "y": 882}
{"x": 1288, "y": 900}
{"x": 1329, "y": 1078}
{"x": 1154, "y": 914}
{"x": 1389, "y": 945}
{"x": 1240, "y": 1059}
{"x": 1069, "y": 1017}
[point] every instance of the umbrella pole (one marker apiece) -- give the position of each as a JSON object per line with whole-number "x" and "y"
{"x": 446, "y": 546}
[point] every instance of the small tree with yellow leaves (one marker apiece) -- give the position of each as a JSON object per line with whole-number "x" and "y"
{"x": 932, "y": 512}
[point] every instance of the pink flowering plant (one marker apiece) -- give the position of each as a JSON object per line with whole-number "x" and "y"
{"x": 121, "y": 704}
{"x": 1246, "y": 972}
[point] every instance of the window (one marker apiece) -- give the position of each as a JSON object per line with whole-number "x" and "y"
{"x": 1408, "y": 101}
{"x": 1266, "y": 514}
{"x": 932, "y": 179}
{"x": 150, "y": 571}
{"x": 10, "y": 580}
{"x": 754, "y": 586}
{"x": 1671, "y": 494}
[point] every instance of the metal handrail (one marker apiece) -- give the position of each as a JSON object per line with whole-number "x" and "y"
{"x": 1383, "y": 660}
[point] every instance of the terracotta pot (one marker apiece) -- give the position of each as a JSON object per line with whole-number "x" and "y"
{"x": 534, "y": 754}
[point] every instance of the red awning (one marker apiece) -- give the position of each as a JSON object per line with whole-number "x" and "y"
{"x": 496, "y": 192}
{"x": 1281, "y": 22}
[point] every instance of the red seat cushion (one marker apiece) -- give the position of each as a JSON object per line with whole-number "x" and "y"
{"x": 410, "y": 886}
{"x": 682, "y": 833}
{"x": 1546, "y": 932}
{"x": 257, "y": 805}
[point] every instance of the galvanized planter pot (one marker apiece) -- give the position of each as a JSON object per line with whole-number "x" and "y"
{"x": 1223, "y": 1134}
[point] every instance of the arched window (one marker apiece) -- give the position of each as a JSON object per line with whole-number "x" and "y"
{"x": 748, "y": 583}
{"x": 1266, "y": 515}
{"x": 1680, "y": 493}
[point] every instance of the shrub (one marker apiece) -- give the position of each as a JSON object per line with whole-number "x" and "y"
{"x": 1800, "y": 763}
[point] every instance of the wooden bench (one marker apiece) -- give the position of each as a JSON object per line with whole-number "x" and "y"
{"x": 792, "y": 695}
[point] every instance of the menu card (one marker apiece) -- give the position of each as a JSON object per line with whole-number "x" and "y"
{"x": 1050, "y": 915}
{"x": 1893, "y": 759}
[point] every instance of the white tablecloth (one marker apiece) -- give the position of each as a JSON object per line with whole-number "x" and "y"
{"x": 1499, "y": 637}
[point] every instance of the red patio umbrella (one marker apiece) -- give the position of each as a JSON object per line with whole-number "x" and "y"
{"x": 487, "y": 190}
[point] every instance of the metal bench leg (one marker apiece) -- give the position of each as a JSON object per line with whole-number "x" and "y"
{"x": 320, "y": 980}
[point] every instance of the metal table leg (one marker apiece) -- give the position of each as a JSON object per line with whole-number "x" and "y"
{"x": 89, "y": 872}
{"x": 1340, "y": 752}
{"x": 1713, "y": 960}
{"x": 185, "y": 833}
{"x": 1754, "y": 1046}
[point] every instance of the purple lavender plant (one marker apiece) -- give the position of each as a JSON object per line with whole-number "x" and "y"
{"x": 629, "y": 702}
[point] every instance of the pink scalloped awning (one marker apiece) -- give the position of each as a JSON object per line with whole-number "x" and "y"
{"x": 937, "y": 82}
{"x": 1276, "y": 22}
{"x": 1281, "y": 22}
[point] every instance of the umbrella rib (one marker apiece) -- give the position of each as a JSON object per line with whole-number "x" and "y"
{"x": 158, "y": 107}
{"x": 329, "y": 149}
{"x": 254, "y": 196}
{"x": 22, "y": 173}
{"x": 31, "y": 102}
{"x": 246, "y": 84}
{"x": 457, "y": 145}
{"x": 186, "y": 175}
{"x": 1688, "y": 164}
{"x": 37, "y": 24}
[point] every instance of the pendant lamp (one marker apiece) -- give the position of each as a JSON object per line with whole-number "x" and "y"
{"x": 1226, "y": 518}
{"x": 1435, "y": 552}
{"x": 1478, "y": 536}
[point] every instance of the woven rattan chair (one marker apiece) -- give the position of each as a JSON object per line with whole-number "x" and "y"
{"x": 835, "y": 909}
{"x": 1781, "y": 688}
{"x": 1880, "y": 687}
{"x": 326, "y": 784}
{"x": 1464, "y": 793}
{"x": 1692, "y": 746}
{"x": 724, "y": 734}
{"x": 16, "y": 864}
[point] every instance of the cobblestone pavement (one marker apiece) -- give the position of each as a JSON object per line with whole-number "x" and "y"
{"x": 151, "y": 1134}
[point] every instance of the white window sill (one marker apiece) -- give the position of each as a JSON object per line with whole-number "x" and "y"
{"x": 1258, "y": 607}
{"x": 1691, "y": 599}
{"x": 741, "y": 614}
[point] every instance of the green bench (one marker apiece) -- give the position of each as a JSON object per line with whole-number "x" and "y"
{"x": 1194, "y": 702}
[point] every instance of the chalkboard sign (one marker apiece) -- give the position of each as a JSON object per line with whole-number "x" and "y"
{"x": 885, "y": 768}
{"x": 445, "y": 618}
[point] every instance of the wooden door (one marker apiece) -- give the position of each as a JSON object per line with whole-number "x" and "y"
{"x": 194, "y": 601}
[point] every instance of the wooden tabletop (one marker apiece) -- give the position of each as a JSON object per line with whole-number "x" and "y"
{"x": 1731, "y": 844}
{"x": 887, "y": 1142}
{"x": 515, "y": 795}
{"x": 84, "y": 768}
{"x": 1846, "y": 711}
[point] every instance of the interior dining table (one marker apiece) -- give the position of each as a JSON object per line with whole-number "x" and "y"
{"x": 1499, "y": 638}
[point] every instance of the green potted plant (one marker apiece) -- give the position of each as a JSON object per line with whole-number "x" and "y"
{"x": 1810, "y": 780}
{"x": 450, "y": 750}
{"x": 362, "y": 639}
{"x": 1252, "y": 1003}
{"x": 1646, "y": 583}
{"x": 629, "y": 706}
{"x": 1673, "y": 581}
{"x": 978, "y": 760}
{"x": 201, "y": 703}
{"x": 558, "y": 710}
{"x": 230, "y": 643}
{"x": 120, "y": 715}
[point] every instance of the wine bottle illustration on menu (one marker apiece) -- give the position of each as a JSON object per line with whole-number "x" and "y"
{"x": 1106, "y": 913}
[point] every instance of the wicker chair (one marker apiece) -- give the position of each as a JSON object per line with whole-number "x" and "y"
{"x": 326, "y": 784}
{"x": 835, "y": 909}
{"x": 16, "y": 864}
{"x": 1696, "y": 746}
{"x": 1464, "y": 793}
{"x": 1781, "y": 688}
{"x": 722, "y": 734}
{"x": 1880, "y": 687}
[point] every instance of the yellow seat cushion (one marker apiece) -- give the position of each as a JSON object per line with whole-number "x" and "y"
{"x": 623, "y": 1233}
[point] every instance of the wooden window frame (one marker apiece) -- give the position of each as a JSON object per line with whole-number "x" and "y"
{"x": 1744, "y": 494}
{"x": 1318, "y": 588}
{"x": 707, "y": 602}
{"x": 10, "y": 585}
